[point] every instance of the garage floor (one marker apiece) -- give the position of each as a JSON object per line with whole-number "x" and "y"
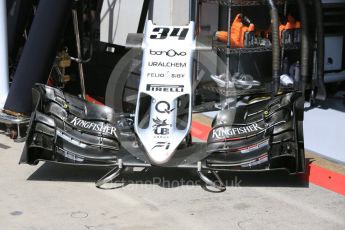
{"x": 51, "y": 196}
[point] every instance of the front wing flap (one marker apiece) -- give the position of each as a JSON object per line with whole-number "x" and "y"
{"x": 67, "y": 129}
{"x": 262, "y": 135}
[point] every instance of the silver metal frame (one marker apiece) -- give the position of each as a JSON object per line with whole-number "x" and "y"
{"x": 4, "y": 75}
{"x": 79, "y": 55}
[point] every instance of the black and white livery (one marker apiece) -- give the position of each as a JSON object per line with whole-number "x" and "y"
{"x": 256, "y": 130}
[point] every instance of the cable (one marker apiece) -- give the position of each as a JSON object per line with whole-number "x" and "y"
{"x": 304, "y": 46}
{"x": 275, "y": 46}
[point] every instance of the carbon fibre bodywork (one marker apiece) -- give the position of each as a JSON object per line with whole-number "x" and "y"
{"x": 263, "y": 135}
{"x": 67, "y": 129}
{"x": 268, "y": 133}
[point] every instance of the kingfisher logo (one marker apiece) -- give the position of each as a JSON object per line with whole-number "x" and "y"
{"x": 107, "y": 129}
{"x": 226, "y": 132}
{"x": 165, "y": 88}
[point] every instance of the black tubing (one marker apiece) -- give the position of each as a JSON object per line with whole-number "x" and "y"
{"x": 320, "y": 48}
{"x": 17, "y": 20}
{"x": 192, "y": 10}
{"x": 93, "y": 27}
{"x": 151, "y": 6}
{"x": 320, "y": 38}
{"x": 143, "y": 15}
{"x": 275, "y": 46}
{"x": 38, "y": 53}
{"x": 304, "y": 46}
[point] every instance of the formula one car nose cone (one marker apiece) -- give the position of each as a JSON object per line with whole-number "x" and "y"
{"x": 161, "y": 135}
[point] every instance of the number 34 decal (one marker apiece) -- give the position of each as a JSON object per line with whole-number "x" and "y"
{"x": 164, "y": 32}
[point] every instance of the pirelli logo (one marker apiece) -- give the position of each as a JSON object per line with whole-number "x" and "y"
{"x": 165, "y": 88}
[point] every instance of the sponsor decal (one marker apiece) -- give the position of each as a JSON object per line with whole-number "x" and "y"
{"x": 253, "y": 147}
{"x": 225, "y": 132}
{"x": 156, "y": 75}
{"x": 177, "y": 75}
{"x": 165, "y": 145}
{"x": 161, "y": 127}
{"x": 260, "y": 160}
{"x": 107, "y": 129}
{"x": 165, "y": 88}
{"x": 167, "y": 74}
{"x": 163, "y": 107}
{"x": 169, "y": 53}
{"x": 168, "y": 64}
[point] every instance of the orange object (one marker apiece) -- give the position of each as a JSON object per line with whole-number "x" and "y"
{"x": 238, "y": 30}
{"x": 222, "y": 36}
{"x": 298, "y": 25}
{"x": 290, "y": 25}
{"x": 288, "y": 28}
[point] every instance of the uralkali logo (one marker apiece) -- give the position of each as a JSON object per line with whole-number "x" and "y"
{"x": 107, "y": 129}
{"x": 226, "y": 132}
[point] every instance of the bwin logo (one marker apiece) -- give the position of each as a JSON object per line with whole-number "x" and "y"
{"x": 169, "y": 53}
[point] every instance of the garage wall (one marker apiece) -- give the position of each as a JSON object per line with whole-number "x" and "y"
{"x": 120, "y": 17}
{"x": 171, "y": 12}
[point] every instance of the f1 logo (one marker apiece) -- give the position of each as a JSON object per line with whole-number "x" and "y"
{"x": 165, "y": 145}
